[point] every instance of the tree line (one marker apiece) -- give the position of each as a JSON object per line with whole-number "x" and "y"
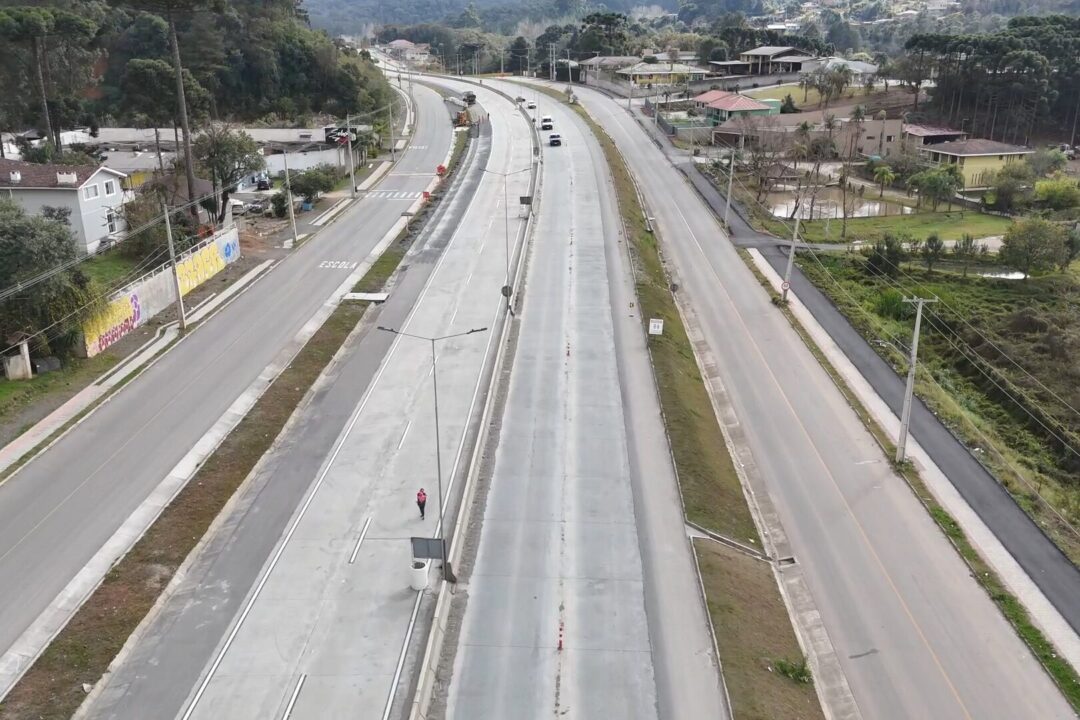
{"x": 1009, "y": 85}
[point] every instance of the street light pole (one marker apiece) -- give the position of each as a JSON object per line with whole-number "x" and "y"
{"x": 438, "y": 449}
{"x": 507, "y": 291}
{"x": 288, "y": 194}
{"x": 730, "y": 182}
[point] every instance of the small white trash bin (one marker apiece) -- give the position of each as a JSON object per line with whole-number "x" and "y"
{"x": 419, "y": 576}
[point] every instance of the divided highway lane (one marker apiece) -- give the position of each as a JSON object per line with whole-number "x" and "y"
{"x": 61, "y": 508}
{"x": 915, "y": 635}
{"x": 323, "y": 627}
{"x": 334, "y": 612}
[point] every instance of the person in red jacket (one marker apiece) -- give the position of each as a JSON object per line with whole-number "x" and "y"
{"x": 421, "y": 501}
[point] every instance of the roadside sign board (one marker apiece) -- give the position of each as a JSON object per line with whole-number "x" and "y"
{"x": 427, "y": 548}
{"x": 785, "y": 285}
{"x": 656, "y": 326}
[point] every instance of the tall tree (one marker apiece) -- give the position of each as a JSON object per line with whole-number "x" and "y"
{"x": 33, "y": 27}
{"x": 147, "y": 88}
{"x": 171, "y": 10}
{"x": 31, "y": 244}
{"x": 1033, "y": 244}
{"x": 883, "y": 175}
{"x": 226, "y": 155}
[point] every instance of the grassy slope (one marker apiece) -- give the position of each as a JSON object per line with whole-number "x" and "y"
{"x": 1034, "y": 321}
{"x": 948, "y": 226}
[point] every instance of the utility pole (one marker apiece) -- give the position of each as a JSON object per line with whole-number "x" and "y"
{"x": 790, "y": 259}
{"x": 288, "y": 195}
{"x": 569, "y": 77}
{"x": 352, "y": 162}
{"x": 502, "y": 62}
{"x": 393, "y": 140}
{"x": 175, "y": 272}
{"x": 905, "y": 416}
{"x": 730, "y": 182}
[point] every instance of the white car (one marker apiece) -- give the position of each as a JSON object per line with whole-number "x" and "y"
{"x": 546, "y": 123}
{"x": 531, "y": 105}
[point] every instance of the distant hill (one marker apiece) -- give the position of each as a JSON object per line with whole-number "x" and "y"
{"x": 353, "y": 16}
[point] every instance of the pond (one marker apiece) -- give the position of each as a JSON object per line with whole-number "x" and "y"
{"x": 828, "y": 205}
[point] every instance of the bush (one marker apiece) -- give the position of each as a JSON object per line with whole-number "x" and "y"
{"x": 279, "y": 204}
{"x": 890, "y": 304}
{"x": 1057, "y": 193}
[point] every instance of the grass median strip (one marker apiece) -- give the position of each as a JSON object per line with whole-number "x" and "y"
{"x": 753, "y": 629}
{"x": 52, "y": 689}
{"x": 766, "y": 675}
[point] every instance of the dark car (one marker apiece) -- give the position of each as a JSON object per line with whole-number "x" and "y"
{"x": 263, "y": 184}
{"x": 555, "y": 139}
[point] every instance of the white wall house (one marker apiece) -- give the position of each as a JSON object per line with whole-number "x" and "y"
{"x": 93, "y": 194}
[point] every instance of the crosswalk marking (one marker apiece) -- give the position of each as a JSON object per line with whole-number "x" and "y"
{"x": 395, "y": 194}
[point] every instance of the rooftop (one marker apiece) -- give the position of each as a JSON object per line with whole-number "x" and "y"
{"x": 40, "y": 175}
{"x": 711, "y": 96}
{"x": 736, "y": 103}
{"x": 768, "y": 50}
{"x": 930, "y": 130}
{"x": 979, "y": 146}
{"x": 644, "y": 68}
{"x": 611, "y": 61}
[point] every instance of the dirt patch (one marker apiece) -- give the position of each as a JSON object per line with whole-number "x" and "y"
{"x": 763, "y": 666}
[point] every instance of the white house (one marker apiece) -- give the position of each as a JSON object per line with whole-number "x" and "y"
{"x": 93, "y": 194}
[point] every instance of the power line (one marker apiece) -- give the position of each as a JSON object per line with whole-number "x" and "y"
{"x": 1016, "y": 471}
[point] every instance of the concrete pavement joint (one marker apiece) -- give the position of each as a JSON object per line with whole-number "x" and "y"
{"x": 434, "y": 648}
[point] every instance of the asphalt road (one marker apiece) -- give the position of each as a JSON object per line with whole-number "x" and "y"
{"x": 915, "y": 635}
{"x": 166, "y": 664}
{"x": 1054, "y": 574}
{"x": 330, "y": 605}
{"x": 60, "y": 509}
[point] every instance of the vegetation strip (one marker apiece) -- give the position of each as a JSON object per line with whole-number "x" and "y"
{"x": 52, "y": 689}
{"x": 711, "y": 491}
{"x": 1062, "y": 673}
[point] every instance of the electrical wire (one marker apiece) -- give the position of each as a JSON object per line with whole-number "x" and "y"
{"x": 1016, "y": 471}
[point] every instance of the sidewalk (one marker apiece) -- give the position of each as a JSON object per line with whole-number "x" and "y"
{"x": 1028, "y": 561}
{"x": 136, "y": 362}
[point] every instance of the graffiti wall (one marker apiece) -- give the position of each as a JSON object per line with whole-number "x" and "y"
{"x": 119, "y": 317}
{"x": 136, "y": 304}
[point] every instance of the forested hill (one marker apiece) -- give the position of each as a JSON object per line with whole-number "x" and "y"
{"x": 110, "y": 62}
{"x": 350, "y": 16}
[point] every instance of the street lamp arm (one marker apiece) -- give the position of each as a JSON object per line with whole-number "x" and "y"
{"x": 429, "y": 339}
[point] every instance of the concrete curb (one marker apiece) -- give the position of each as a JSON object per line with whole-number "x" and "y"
{"x": 1041, "y": 611}
{"x": 429, "y": 666}
{"x": 837, "y": 701}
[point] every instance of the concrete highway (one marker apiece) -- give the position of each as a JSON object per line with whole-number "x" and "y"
{"x": 915, "y": 635}
{"x": 314, "y": 615}
{"x": 62, "y": 507}
{"x": 582, "y": 540}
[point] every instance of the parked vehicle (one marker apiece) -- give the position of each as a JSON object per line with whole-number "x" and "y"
{"x": 263, "y": 184}
{"x": 546, "y": 123}
{"x": 555, "y": 139}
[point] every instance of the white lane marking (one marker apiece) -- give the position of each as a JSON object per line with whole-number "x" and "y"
{"x": 363, "y": 534}
{"x": 402, "y": 440}
{"x": 315, "y": 489}
{"x": 295, "y": 695}
{"x": 401, "y": 657}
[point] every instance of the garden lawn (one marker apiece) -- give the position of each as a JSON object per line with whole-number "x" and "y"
{"x": 948, "y": 226}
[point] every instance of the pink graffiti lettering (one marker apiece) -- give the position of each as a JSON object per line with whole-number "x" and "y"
{"x": 113, "y": 334}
